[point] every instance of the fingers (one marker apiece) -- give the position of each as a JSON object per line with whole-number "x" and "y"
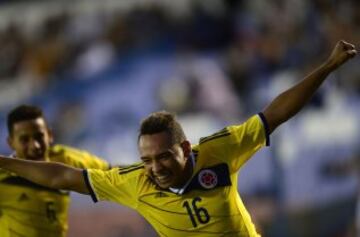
{"x": 342, "y": 52}
{"x": 351, "y": 53}
{"x": 347, "y": 46}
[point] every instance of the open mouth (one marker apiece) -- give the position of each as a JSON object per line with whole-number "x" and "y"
{"x": 163, "y": 179}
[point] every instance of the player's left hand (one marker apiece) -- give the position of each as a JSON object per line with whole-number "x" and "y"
{"x": 341, "y": 53}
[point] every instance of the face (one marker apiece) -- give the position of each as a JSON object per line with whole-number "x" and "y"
{"x": 30, "y": 139}
{"x": 165, "y": 163}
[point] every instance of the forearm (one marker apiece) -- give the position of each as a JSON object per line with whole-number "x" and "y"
{"x": 290, "y": 102}
{"x": 52, "y": 175}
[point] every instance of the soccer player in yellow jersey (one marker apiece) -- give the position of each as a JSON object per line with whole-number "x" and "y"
{"x": 28, "y": 209}
{"x": 185, "y": 190}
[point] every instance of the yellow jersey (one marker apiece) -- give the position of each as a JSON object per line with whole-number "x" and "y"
{"x": 31, "y": 210}
{"x": 209, "y": 205}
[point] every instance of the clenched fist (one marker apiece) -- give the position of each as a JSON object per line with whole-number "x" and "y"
{"x": 342, "y": 52}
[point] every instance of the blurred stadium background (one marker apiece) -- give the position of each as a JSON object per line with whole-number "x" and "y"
{"x": 98, "y": 67}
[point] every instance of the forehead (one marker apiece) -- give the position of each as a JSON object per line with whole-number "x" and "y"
{"x": 154, "y": 144}
{"x": 29, "y": 126}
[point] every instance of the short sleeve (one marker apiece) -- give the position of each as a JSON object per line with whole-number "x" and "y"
{"x": 236, "y": 144}
{"x": 113, "y": 185}
{"x": 76, "y": 158}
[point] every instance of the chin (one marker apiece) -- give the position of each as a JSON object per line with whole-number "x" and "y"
{"x": 164, "y": 186}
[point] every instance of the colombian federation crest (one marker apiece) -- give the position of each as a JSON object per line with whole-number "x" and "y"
{"x": 208, "y": 179}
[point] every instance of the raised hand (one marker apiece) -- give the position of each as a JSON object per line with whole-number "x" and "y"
{"x": 342, "y": 52}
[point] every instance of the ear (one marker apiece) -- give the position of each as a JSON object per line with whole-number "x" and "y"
{"x": 186, "y": 147}
{"x": 10, "y": 142}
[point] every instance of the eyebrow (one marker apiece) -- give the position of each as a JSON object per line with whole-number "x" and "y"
{"x": 23, "y": 133}
{"x": 158, "y": 155}
{"x": 22, "y": 136}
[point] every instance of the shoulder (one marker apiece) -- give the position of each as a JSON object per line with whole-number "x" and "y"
{"x": 134, "y": 172}
{"x": 60, "y": 149}
{"x": 135, "y": 168}
{"x": 255, "y": 122}
{"x": 125, "y": 179}
{"x": 76, "y": 157}
{"x": 252, "y": 126}
{"x": 57, "y": 151}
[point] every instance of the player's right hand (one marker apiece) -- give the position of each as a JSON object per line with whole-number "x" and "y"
{"x": 341, "y": 53}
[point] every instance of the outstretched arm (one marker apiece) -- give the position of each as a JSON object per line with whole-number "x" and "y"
{"x": 288, "y": 103}
{"x": 48, "y": 174}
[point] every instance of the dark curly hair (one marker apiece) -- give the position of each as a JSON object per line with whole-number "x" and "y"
{"x": 162, "y": 121}
{"x": 22, "y": 113}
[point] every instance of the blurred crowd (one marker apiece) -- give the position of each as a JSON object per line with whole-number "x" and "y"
{"x": 97, "y": 73}
{"x": 255, "y": 39}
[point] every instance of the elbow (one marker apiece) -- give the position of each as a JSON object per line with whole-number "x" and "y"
{"x": 59, "y": 178}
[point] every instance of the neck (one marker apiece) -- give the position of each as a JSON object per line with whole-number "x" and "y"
{"x": 188, "y": 171}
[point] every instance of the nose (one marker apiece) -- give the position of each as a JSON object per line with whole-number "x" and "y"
{"x": 156, "y": 167}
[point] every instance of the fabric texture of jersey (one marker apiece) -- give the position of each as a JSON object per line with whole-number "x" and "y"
{"x": 31, "y": 210}
{"x": 210, "y": 204}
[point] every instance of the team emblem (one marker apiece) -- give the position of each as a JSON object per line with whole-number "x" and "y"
{"x": 208, "y": 179}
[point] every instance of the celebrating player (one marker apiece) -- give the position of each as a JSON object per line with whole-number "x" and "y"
{"x": 26, "y": 208}
{"x": 185, "y": 190}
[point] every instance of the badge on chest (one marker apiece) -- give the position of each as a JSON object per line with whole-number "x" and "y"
{"x": 210, "y": 177}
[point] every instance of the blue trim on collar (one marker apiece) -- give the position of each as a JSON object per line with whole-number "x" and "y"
{"x": 182, "y": 190}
